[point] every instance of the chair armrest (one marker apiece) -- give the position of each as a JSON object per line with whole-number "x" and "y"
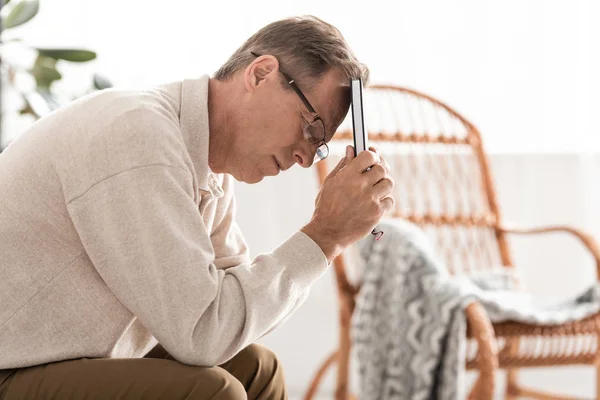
{"x": 586, "y": 239}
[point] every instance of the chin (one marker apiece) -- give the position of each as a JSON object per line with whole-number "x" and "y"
{"x": 250, "y": 179}
{"x": 253, "y": 177}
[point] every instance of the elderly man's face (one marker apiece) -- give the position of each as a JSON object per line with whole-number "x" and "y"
{"x": 272, "y": 138}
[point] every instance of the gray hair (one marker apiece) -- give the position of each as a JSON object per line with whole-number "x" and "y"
{"x": 306, "y": 47}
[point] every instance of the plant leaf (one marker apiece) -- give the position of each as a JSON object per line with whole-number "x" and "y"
{"x": 44, "y": 76}
{"x": 43, "y": 61}
{"x": 72, "y": 55}
{"x": 18, "y": 12}
{"x": 101, "y": 82}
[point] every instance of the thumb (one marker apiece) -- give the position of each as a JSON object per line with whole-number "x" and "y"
{"x": 344, "y": 161}
{"x": 349, "y": 153}
{"x": 349, "y": 156}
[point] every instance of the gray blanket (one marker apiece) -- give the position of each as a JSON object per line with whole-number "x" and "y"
{"x": 409, "y": 325}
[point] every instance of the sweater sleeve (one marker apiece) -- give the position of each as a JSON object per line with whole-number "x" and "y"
{"x": 227, "y": 239}
{"x": 142, "y": 230}
{"x": 231, "y": 248}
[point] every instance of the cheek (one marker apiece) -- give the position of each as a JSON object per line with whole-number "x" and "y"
{"x": 281, "y": 123}
{"x": 293, "y": 132}
{"x": 282, "y": 130}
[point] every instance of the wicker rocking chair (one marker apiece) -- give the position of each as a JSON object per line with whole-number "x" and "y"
{"x": 443, "y": 184}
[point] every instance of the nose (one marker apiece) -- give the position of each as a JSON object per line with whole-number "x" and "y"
{"x": 304, "y": 156}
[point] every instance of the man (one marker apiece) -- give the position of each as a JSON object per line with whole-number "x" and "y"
{"x": 123, "y": 273}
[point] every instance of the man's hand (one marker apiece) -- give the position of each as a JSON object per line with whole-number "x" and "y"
{"x": 351, "y": 201}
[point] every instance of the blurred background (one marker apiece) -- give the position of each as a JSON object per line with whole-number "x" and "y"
{"x": 524, "y": 72}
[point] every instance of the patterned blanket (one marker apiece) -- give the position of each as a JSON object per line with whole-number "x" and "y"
{"x": 409, "y": 326}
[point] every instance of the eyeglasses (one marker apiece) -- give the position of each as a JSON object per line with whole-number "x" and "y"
{"x": 313, "y": 131}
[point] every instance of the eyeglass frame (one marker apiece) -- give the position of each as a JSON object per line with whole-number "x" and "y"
{"x": 311, "y": 110}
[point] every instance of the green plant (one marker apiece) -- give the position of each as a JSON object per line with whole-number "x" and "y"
{"x": 38, "y": 100}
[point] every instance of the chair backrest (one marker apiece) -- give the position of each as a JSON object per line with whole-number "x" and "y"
{"x": 441, "y": 173}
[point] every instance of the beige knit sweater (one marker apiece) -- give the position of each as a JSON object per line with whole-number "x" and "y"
{"x": 115, "y": 234}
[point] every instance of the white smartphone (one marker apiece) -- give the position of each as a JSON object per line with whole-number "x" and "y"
{"x": 359, "y": 128}
{"x": 358, "y": 117}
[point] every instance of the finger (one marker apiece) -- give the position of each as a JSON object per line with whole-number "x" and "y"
{"x": 349, "y": 152}
{"x": 385, "y": 165}
{"x": 383, "y": 188}
{"x": 375, "y": 174}
{"x": 381, "y": 159}
{"x": 364, "y": 160}
{"x": 388, "y": 203}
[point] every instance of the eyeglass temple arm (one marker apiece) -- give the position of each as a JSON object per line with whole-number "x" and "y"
{"x": 299, "y": 92}
{"x": 294, "y": 86}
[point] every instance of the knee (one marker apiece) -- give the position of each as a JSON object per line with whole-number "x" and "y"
{"x": 264, "y": 362}
{"x": 222, "y": 387}
{"x": 232, "y": 389}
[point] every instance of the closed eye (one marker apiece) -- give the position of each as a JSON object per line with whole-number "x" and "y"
{"x": 305, "y": 123}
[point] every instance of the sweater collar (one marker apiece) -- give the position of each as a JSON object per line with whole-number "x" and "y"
{"x": 194, "y": 125}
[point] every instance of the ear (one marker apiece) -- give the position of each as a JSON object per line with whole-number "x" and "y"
{"x": 261, "y": 69}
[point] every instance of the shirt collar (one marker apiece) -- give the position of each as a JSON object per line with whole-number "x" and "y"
{"x": 194, "y": 125}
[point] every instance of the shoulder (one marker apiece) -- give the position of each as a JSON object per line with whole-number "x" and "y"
{"x": 121, "y": 130}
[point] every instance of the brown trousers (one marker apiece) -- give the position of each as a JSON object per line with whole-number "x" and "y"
{"x": 254, "y": 373}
